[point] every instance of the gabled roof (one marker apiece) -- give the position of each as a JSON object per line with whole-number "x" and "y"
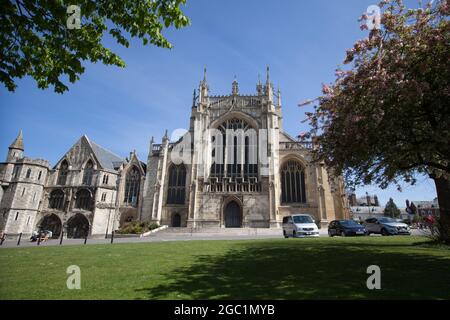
{"x": 284, "y": 137}
{"x": 107, "y": 159}
{"x": 134, "y": 161}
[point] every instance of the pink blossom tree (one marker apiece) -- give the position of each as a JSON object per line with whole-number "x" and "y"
{"x": 386, "y": 118}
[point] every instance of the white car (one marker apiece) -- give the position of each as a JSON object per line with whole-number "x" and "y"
{"x": 299, "y": 225}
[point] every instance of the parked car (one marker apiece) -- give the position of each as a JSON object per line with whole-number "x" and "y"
{"x": 386, "y": 226}
{"x": 346, "y": 228}
{"x": 299, "y": 225}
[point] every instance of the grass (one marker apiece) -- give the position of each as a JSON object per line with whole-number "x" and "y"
{"x": 324, "y": 268}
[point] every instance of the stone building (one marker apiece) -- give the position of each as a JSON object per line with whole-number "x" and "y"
{"x": 78, "y": 194}
{"x": 367, "y": 200}
{"x": 22, "y": 188}
{"x": 234, "y": 167}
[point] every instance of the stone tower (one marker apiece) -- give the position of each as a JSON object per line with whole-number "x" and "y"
{"x": 22, "y": 184}
{"x": 16, "y": 148}
{"x": 221, "y": 183}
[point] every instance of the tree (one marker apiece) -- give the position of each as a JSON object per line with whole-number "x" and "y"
{"x": 36, "y": 41}
{"x": 416, "y": 218}
{"x": 386, "y": 117}
{"x": 391, "y": 210}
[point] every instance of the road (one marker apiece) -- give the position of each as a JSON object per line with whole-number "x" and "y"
{"x": 165, "y": 236}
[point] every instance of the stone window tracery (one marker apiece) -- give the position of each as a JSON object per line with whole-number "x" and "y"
{"x": 88, "y": 173}
{"x": 56, "y": 200}
{"x": 292, "y": 176}
{"x": 176, "y": 192}
{"x": 234, "y": 157}
{"x": 132, "y": 185}
{"x": 63, "y": 172}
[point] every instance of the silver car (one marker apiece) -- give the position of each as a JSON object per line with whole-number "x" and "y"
{"x": 299, "y": 225}
{"x": 386, "y": 226}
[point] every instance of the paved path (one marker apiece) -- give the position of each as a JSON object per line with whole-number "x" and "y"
{"x": 164, "y": 236}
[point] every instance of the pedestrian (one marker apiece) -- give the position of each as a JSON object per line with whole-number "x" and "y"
{"x": 34, "y": 236}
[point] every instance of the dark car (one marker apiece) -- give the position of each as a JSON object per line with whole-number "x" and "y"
{"x": 345, "y": 228}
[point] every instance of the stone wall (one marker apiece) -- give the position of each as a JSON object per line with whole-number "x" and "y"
{"x": 22, "y": 197}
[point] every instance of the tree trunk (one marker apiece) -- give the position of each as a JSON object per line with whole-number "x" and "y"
{"x": 443, "y": 193}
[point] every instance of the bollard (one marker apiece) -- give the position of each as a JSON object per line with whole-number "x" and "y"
{"x": 112, "y": 236}
{"x": 61, "y": 238}
{"x": 20, "y": 237}
{"x": 85, "y": 239}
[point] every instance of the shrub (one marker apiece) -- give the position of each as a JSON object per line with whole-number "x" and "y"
{"x": 137, "y": 227}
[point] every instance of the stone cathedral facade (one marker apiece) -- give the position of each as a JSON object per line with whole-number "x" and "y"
{"x": 234, "y": 168}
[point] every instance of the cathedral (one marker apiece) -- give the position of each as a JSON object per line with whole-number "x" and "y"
{"x": 234, "y": 167}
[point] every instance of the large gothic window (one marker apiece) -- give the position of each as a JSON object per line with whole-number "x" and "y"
{"x": 56, "y": 200}
{"x": 83, "y": 200}
{"x": 63, "y": 172}
{"x": 234, "y": 153}
{"x": 132, "y": 185}
{"x": 88, "y": 173}
{"x": 176, "y": 192}
{"x": 293, "y": 183}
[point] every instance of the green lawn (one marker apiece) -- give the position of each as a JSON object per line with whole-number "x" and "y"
{"x": 253, "y": 269}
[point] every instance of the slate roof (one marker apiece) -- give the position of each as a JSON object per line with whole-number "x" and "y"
{"x": 285, "y": 137}
{"x": 107, "y": 159}
{"x": 18, "y": 142}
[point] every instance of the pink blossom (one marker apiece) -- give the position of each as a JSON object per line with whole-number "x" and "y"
{"x": 326, "y": 89}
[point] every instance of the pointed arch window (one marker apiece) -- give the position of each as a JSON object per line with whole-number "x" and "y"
{"x": 63, "y": 172}
{"x": 28, "y": 176}
{"x": 236, "y": 149}
{"x": 132, "y": 185}
{"x": 293, "y": 183}
{"x": 15, "y": 172}
{"x": 83, "y": 200}
{"x": 88, "y": 173}
{"x": 56, "y": 200}
{"x": 176, "y": 192}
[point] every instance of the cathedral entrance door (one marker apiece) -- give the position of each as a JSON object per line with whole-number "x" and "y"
{"x": 232, "y": 214}
{"x": 176, "y": 220}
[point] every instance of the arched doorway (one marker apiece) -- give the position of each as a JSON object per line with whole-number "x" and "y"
{"x": 232, "y": 215}
{"x": 77, "y": 226}
{"x": 51, "y": 223}
{"x": 176, "y": 220}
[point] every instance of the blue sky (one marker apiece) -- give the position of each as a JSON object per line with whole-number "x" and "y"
{"x": 302, "y": 41}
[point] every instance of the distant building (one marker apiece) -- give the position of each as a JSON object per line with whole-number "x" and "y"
{"x": 367, "y": 200}
{"x": 365, "y": 212}
{"x": 425, "y": 207}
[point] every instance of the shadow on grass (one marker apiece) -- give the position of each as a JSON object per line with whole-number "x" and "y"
{"x": 295, "y": 270}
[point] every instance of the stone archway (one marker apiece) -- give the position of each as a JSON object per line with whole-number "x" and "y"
{"x": 77, "y": 226}
{"x": 51, "y": 223}
{"x": 232, "y": 215}
{"x": 176, "y": 220}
